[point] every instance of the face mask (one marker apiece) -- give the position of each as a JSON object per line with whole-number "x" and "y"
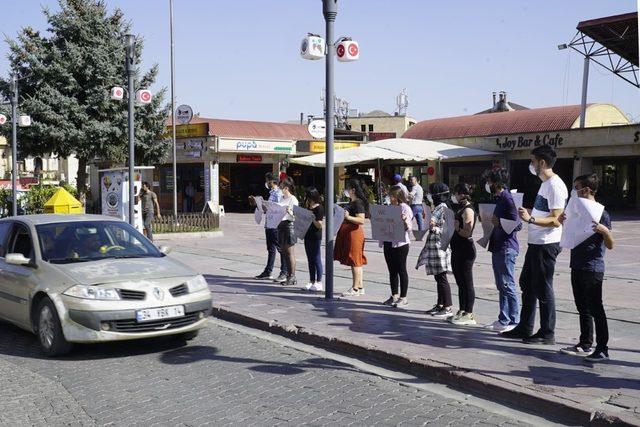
{"x": 346, "y": 194}
{"x": 532, "y": 169}
{"x": 574, "y": 193}
{"x": 429, "y": 198}
{"x": 487, "y": 188}
{"x": 266, "y": 185}
{"x": 454, "y": 200}
{"x": 577, "y": 193}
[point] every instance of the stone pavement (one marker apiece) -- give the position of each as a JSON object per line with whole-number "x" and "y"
{"x": 223, "y": 377}
{"x": 537, "y": 377}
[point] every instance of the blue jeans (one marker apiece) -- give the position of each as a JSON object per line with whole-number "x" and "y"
{"x": 417, "y": 214}
{"x": 312, "y": 248}
{"x": 504, "y": 266}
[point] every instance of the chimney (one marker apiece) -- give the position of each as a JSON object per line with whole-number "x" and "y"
{"x": 494, "y": 100}
{"x": 301, "y": 118}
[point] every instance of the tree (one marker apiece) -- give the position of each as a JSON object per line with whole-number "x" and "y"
{"x": 66, "y": 75}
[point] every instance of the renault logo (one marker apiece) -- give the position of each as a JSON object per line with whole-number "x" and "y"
{"x": 158, "y": 293}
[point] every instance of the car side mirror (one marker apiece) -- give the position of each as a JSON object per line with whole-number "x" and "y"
{"x": 165, "y": 250}
{"x": 18, "y": 259}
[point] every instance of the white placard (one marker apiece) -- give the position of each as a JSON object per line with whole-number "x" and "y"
{"x": 518, "y": 199}
{"x": 259, "y": 201}
{"x": 448, "y": 229}
{"x": 338, "y": 218}
{"x": 486, "y": 213}
{"x": 303, "y": 219}
{"x": 419, "y": 234}
{"x": 508, "y": 225}
{"x": 257, "y": 216}
{"x": 275, "y": 214}
{"x": 386, "y": 223}
{"x": 578, "y": 226}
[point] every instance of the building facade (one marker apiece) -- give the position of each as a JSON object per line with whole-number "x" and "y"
{"x": 380, "y": 125}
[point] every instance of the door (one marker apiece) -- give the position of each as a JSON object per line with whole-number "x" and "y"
{"x": 16, "y": 280}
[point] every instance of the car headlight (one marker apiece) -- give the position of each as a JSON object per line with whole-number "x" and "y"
{"x": 197, "y": 284}
{"x": 92, "y": 292}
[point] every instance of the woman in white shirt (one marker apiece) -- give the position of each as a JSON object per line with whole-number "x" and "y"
{"x": 286, "y": 233}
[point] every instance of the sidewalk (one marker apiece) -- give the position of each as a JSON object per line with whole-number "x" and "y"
{"x": 537, "y": 378}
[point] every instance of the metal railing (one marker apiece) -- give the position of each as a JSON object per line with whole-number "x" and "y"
{"x": 186, "y": 222}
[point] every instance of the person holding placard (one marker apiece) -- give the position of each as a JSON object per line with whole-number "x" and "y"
{"x": 271, "y": 234}
{"x": 435, "y": 258}
{"x": 349, "y": 245}
{"x": 504, "y": 248}
{"x": 313, "y": 239}
{"x": 545, "y": 232}
{"x": 463, "y": 254}
{"x": 395, "y": 253}
{"x": 587, "y": 273}
{"x": 286, "y": 233}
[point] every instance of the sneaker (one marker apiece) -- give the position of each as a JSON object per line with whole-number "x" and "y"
{"x": 576, "y": 350}
{"x": 499, "y": 327}
{"x": 353, "y": 292}
{"x": 281, "y": 278}
{"x": 400, "y": 302}
{"x": 597, "y": 356}
{"x": 263, "y": 275}
{"x": 538, "y": 338}
{"x": 466, "y": 319}
{"x": 291, "y": 281}
{"x": 436, "y": 308}
{"x": 443, "y": 313}
{"x": 515, "y": 333}
{"x": 457, "y": 316}
{"x": 390, "y": 301}
{"x": 317, "y": 287}
{"x": 308, "y": 286}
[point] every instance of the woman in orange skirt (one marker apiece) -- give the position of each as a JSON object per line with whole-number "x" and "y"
{"x": 349, "y": 246}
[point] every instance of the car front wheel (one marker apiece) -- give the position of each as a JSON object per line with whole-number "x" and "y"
{"x": 49, "y": 330}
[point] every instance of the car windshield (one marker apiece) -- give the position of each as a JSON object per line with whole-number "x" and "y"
{"x": 81, "y": 241}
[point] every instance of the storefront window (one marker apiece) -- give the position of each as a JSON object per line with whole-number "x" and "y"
{"x": 618, "y": 182}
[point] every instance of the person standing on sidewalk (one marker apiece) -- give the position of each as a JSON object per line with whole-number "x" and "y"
{"x": 504, "y": 248}
{"x": 397, "y": 182}
{"x": 349, "y": 244}
{"x": 437, "y": 260}
{"x": 271, "y": 234}
{"x": 415, "y": 200}
{"x": 286, "y": 233}
{"x": 463, "y": 254}
{"x": 313, "y": 239}
{"x": 395, "y": 253}
{"x": 150, "y": 207}
{"x": 587, "y": 273}
{"x": 545, "y": 231}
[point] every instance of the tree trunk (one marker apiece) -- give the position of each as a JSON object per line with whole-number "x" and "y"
{"x": 81, "y": 184}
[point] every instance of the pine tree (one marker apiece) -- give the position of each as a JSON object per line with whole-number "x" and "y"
{"x": 66, "y": 75}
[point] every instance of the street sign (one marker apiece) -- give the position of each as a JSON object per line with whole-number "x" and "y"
{"x": 184, "y": 114}
{"x": 3, "y": 119}
{"x": 317, "y": 128}
{"x": 348, "y": 51}
{"x": 117, "y": 93}
{"x": 144, "y": 96}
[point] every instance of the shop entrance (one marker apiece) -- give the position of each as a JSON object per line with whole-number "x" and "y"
{"x": 190, "y": 180}
{"x": 238, "y": 181}
{"x": 618, "y": 182}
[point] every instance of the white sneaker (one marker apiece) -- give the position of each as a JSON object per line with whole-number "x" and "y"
{"x": 316, "y": 287}
{"x": 353, "y": 292}
{"x": 499, "y": 327}
{"x": 308, "y": 286}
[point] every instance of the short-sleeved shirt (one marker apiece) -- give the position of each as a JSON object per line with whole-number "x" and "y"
{"x": 589, "y": 255}
{"x": 416, "y": 194}
{"x": 288, "y": 202}
{"x": 404, "y": 189}
{"x": 147, "y": 199}
{"x": 315, "y": 233}
{"x": 551, "y": 195}
{"x": 505, "y": 209}
{"x": 355, "y": 207}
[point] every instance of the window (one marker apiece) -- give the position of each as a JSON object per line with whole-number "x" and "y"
{"x": 370, "y": 128}
{"x": 4, "y": 235}
{"x": 363, "y": 128}
{"x": 21, "y": 242}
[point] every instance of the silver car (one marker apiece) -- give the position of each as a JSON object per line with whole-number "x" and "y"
{"x": 91, "y": 278}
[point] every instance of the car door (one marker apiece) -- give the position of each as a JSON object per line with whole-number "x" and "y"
{"x": 16, "y": 280}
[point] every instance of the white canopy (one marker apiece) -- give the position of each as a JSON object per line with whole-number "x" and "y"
{"x": 411, "y": 150}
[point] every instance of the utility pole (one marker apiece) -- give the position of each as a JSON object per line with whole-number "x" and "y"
{"x": 14, "y": 144}
{"x": 173, "y": 116}
{"x": 330, "y": 11}
{"x": 130, "y": 66}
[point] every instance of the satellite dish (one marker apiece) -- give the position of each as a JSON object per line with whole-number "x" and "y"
{"x": 318, "y": 128}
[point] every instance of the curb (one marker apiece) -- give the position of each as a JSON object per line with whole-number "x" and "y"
{"x": 188, "y": 235}
{"x": 456, "y": 377}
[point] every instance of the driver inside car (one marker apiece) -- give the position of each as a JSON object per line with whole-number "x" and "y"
{"x": 88, "y": 244}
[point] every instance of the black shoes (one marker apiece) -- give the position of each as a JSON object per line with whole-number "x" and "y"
{"x": 538, "y": 338}
{"x": 263, "y": 275}
{"x": 516, "y": 333}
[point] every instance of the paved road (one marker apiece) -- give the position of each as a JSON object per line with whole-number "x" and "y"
{"x": 224, "y": 377}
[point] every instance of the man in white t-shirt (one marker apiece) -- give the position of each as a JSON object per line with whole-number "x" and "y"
{"x": 545, "y": 230}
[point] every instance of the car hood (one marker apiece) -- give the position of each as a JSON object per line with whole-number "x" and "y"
{"x": 118, "y": 270}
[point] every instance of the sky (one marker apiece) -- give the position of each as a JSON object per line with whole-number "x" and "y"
{"x": 239, "y": 59}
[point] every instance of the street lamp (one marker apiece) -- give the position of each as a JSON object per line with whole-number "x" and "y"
{"x": 313, "y": 47}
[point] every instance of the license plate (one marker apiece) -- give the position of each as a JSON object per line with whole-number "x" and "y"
{"x": 160, "y": 313}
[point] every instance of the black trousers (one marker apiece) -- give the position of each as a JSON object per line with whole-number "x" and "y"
{"x": 587, "y": 293}
{"x": 396, "y": 259}
{"x": 271, "y": 235}
{"x": 463, "y": 255}
{"x": 536, "y": 282}
{"x": 444, "y": 290}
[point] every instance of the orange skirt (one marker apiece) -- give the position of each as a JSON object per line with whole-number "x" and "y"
{"x": 349, "y": 246}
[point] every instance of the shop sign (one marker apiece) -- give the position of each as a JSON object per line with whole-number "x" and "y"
{"x": 529, "y": 142}
{"x": 193, "y": 144}
{"x": 320, "y": 146}
{"x": 256, "y": 146}
{"x": 249, "y": 158}
{"x": 192, "y": 154}
{"x": 189, "y": 131}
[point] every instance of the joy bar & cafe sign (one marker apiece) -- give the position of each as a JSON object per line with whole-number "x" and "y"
{"x": 529, "y": 141}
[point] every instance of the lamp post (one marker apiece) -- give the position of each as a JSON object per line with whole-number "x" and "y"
{"x": 173, "y": 116}
{"x": 130, "y": 40}
{"x": 14, "y": 144}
